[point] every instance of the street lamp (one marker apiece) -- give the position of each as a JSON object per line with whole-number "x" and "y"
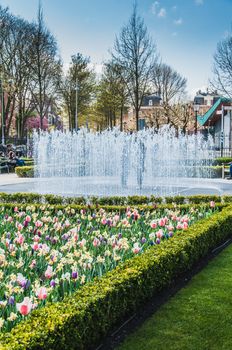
{"x": 196, "y": 108}
{"x": 2, "y": 111}
{"x": 76, "y": 120}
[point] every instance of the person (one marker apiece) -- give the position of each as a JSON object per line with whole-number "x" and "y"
{"x": 14, "y": 161}
{"x": 230, "y": 164}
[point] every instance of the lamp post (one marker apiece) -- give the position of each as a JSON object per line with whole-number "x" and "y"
{"x": 2, "y": 111}
{"x": 196, "y": 108}
{"x": 76, "y": 119}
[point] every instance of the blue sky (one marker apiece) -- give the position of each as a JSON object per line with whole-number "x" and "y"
{"x": 186, "y": 32}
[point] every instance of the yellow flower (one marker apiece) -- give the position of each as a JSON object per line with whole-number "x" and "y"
{"x": 12, "y": 317}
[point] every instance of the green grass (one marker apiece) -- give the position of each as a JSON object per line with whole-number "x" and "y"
{"x": 198, "y": 317}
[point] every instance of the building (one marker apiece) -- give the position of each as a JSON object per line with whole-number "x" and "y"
{"x": 150, "y": 105}
{"x": 217, "y": 121}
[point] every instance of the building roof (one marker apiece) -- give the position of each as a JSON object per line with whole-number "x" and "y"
{"x": 202, "y": 120}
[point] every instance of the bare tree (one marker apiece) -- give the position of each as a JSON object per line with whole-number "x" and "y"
{"x": 134, "y": 52}
{"x": 222, "y": 68}
{"x": 169, "y": 84}
{"x": 46, "y": 67}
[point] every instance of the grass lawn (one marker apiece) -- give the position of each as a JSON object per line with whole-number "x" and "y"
{"x": 198, "y": 317}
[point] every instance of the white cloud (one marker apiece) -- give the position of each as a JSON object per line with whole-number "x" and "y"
{"x": 178, "y": 22}
{"x": 199, "y": 2}
{"x": 155, "y": 7}
{"x": 162, "y": 13}
{"x": 174, "y": 8}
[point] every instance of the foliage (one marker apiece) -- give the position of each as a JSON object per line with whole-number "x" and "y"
{"x": 221, "y": 160}
{"x": 25, "y": 171}
{"x": 77, "y": 88}
{"x": 99, "y": 305}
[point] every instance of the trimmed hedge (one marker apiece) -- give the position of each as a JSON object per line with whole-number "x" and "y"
{"x": 108, "y": 201}
{"x": 221, "y": 160}
{"x": 80, "y": 321}
{"x": 108, "y": 208}
{"x": 25, "y": 171}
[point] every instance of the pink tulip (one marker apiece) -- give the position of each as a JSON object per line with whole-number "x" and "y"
{"x": 49, "y": 272}
{"x": 96, "y": 242}
{"x": 212, "y": 204}
{"x": 38, "y": 223}
{"x": 162, "y": 222}
{"x": 185, "y": 225}
{"x": 153, "y": 224}
{"x": 20, "y": 239}
{"x": 28, "y": 218}
{"x": 104, "y": 221}
{"x": 159, "y": 234}
{"x": 41, "y": 293}
{"x": 25, "y": 307}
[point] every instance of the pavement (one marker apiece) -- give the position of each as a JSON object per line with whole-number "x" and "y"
{"x": 11, "y": 183}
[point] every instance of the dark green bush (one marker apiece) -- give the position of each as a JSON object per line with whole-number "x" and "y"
{"x": 221, "y": 160}
{"x": 81, "y": 321}
{"x": 175, "y": 199}
{"x": 25, "y": 171}
{"x": 203, "y": 198}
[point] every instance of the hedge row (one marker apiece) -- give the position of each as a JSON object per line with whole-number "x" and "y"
{"x": 222, "y": 160}
{"x": 80, "y": 321}
{"x": 114, "y": 200}
{"x": 25, "y": 171}
{"x": 54, "y": 208}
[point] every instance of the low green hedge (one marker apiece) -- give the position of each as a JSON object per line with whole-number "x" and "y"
{"x": 109, "y": 201}
{"x": 25, "y": 171}
{"x": 221, "y": 160}
{"x": 108, "y": 208}
{"x": 80, "y": 321}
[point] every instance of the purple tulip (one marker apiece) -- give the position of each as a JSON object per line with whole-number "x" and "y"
{"x": 158, "y": 241}
{"x": 170, "y": 234}
{"x": 11, "y": 300}
{"x": 74, "y": 275}
{"x": 53, "y": 283}
{"x": 143, "y": 240}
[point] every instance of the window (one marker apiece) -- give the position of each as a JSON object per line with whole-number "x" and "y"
{"x": 150, "y": 103}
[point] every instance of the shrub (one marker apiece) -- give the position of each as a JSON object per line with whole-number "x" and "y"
{"x": 80, "y": 321}
{"x": 25, "y": 171}
{"x": 221, "y": 160}
{"x": 197, "y": 199}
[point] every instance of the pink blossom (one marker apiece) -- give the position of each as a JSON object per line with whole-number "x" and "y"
{"x": 96, "y": 242}
{"x": 104, "y": 221}
{"x": 185, "y": 225}
{"x": 35, "y": 246}
{"x": 153, "y": 224}
{"x": 49, "y": 272}
{"x": 136, "y": 249}
{"x": 19, "y": 227}
{"x": 159, "y": 234}
{"x": 212, "y": 204}
{"x": 25, "y": 307}
{"x": 41, "y": 293}
{"x": 20, "y": 239}
{"x": 38, "y": 223}
{"x": 179, "y": 226}
{"x": 28, "y": 218}
{"x": 162, "y": 222}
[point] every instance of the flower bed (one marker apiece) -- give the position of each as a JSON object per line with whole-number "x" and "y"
{"x": 81, "y": 320}
{"x": 45, "y": 255}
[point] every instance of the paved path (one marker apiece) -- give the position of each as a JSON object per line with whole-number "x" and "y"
{"x": 11, "y": 183}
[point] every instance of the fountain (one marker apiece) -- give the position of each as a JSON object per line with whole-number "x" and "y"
{"x": 117, "y": 163}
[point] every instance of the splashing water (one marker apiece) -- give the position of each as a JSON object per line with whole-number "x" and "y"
{"x": 118, "y": 163}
